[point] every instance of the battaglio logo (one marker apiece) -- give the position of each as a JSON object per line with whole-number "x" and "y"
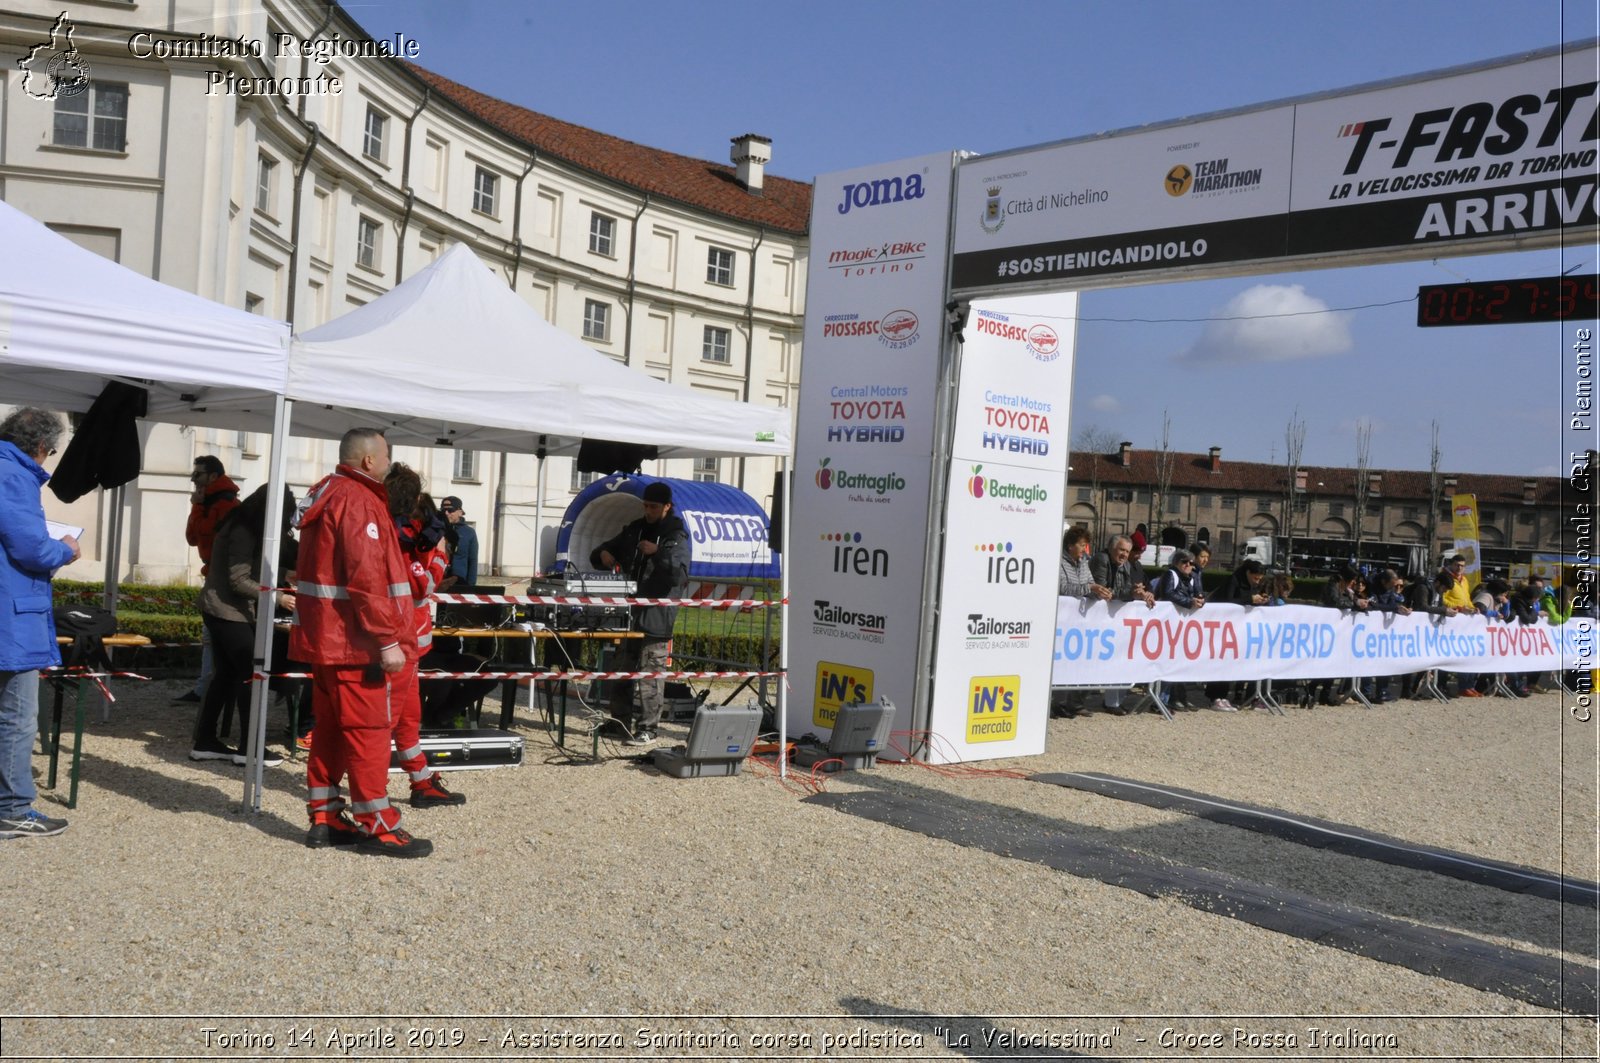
{"x": 876, "y": 193}
{"x": 881, "y": 484}
{"x": 980, "y": 486}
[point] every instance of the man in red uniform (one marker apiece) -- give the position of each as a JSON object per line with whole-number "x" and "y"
{"x": 353, "y": 624}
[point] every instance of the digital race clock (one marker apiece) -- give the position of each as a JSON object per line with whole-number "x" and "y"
{"x": 1513, "y": 302}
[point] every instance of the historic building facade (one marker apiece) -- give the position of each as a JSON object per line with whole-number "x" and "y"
{"x": 265, "y": 155}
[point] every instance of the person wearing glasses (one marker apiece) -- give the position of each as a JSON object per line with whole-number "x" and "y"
{"x": 463, "y": 540}
{"x": 29, "y": 557}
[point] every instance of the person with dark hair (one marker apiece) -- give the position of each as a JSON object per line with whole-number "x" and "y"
{"x": 1178, "y": 584}
{"x": 213, "y": 498}
{"x": 463, "y": 540}
{"x": 654, "y": 552}
{"x": 1246, "y": 586}
{"x": 419, "y": 536}
{"x": 1076, "y": 579}
{"x": 29, "y": 558}
{"x": 354, "y": 623}
{"x": 228, "y": 607}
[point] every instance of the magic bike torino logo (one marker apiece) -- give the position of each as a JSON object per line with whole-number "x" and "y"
{"x": 1209, "y": 178}
{"x": 985, "y": 632}
{"x": 993, "y": 705}
{"x": 850, "y": 556}
{"x": 55, "y": 70}
{"x": 872, "y": 413}
{"x": 1001, "y": 566}
{"x": 865, "y": 486}
{"x": 1040, "y": 340}
{"x": 896, "y": 256}
{"x": 896, "y": 330}
{"x": 835, "y": 621}
{"x": 1013, "y": 497}
{"x": 838, "y": 685}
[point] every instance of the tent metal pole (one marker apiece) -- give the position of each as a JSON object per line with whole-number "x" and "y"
{"x": 255, "y": 743}
{"x": 538, "y": 514}
{"x": 113, "y": 548}
{"x": 783, "y": 628}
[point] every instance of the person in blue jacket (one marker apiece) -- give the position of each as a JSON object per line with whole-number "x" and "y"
{"x": 463, "y": 540}
{"x": 28, "y": 558}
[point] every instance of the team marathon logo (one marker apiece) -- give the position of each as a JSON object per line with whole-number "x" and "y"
{"x": 985, "y": 632}
{"x": 1001, "y": 567}
{"x": 1211, "y": 177}
{"x": 872, "y": 413}
{"x": 995, "y": 209}
{"x": 889, "y": 257}
{"x": 868, "y": 487}
{"x": 896, "y": 330}
{"x": 839, "y": 622}
{"x": 1040, "y": 340}
{"x": 55, "y": 70}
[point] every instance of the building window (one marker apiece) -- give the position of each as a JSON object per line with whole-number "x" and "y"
{"x": 367, "y": 242}
{"x": 719, "y": 267}
{"x": 596, "y": 320}
{"x": 1410, "y": 512}
{"x": 484, "y": 186}
{"x": 1119, "y": 496}
{"x": 266, "y": 170}
{"x": 1525, "y": 517}
{"x": 707, "y": 470}
{"x": 1207, "y": 501}
{"x": 1230, "y": 502}
{"x": 372, "y": 137}
{"x": 1335, "y": 509}
{"x": 95, "y": 119}
{"x": 714, "y": 348}
{"x": 602, "y": 231}
{"x": 1085, "y": 494}
{"x": 580, "y": 480}
{"x": 466, "y": 465}
{"x": 1488, "y": 516}
{"x": 1174, "y": 503}
{"x": 253, "y": 303}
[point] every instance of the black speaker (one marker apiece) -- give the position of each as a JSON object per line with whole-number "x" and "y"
{"x": 780, "y": 488}
{"x": 602, "y": 455}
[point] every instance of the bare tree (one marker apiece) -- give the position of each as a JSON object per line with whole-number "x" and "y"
{"x": 1434, "y": 499}
{"x": 1294, "y": 444}
{"x": 1363, "y": 489}
{"x": 1096, "y": 442}
{"x": 1164, "y": 465}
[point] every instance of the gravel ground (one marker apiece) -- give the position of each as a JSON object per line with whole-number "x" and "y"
{"x": 570, "y": 903}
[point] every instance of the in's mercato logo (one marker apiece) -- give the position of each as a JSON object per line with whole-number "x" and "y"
{"x": 880, "y": 484}
{"x": 980, "y": 486}
{"x": 851, "y": 558}
{"x": 864, "y": 194}
{"x": 837, "y": 621}
{"x": 993, "y": 704}
{"x": 1001, "y": 567}
{"x": 838, "y": 685}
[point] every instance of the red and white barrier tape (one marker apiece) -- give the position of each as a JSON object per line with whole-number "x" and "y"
{"x": 550, "y": 677}
{"x": 563, "y": 599}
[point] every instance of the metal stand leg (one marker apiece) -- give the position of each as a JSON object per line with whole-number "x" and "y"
{"x": 1499, "y": 688}
{"x": 1152, "y": 693}
{"x": 1355, "y": 691}
{"x": 1264, "y": 692}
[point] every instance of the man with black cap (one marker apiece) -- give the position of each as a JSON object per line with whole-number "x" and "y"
{"x": 463, "y": 542}
{"x": 654, "y": 552}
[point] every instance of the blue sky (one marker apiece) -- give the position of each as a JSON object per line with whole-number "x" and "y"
{"x": 838, "y": 85}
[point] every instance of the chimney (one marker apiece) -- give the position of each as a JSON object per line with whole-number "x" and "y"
{"x": 1216, "y": 460}
{"x": 1300, "y": 478}
{"x": 1530, "y": 492}
{"x": 1374, "y": 483}
{"x": 1125, "y": 452}
{"x": 751, "y": 153}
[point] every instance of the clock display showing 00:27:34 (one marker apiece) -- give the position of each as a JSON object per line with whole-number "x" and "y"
{"x": 1509, "y": 302}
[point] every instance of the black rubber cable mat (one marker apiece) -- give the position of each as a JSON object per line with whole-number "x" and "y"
{"x": 1338, "y": 837}
{"x": 1543, "y": 981}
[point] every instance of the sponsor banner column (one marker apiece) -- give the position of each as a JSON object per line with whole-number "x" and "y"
{"x": 864, "y": 437}
{"x": 1464, "y": 525}
{"x": 1003, "y": 529}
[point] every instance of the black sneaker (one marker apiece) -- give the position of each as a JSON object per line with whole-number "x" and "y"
{"x": 187, "y": 697}
{"x": 640, "y": 738}
{"x": 31, "y": 824}
{"x": 432, "y": 793}
{"x": 269, "y": 758}
{"x": 394, "y": 843}
{"x": 217, "y": 752}
{"x": 342, "y": 832}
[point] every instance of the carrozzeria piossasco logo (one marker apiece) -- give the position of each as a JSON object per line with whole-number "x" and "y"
{"x": 896, "y": 330}
{"x": 1041, "y": 340}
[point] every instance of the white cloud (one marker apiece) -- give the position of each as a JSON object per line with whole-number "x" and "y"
{"x": 1105, "y": 404}
{"x": 1271, "y": 323}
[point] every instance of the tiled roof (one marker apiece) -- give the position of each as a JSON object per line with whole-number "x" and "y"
{"x": 1192, "y": 472}
{"x": 783, "y": 204}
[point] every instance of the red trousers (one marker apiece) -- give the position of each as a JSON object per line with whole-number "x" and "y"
{"x": 407, "y": 703}
{"x": 355, "y": 719}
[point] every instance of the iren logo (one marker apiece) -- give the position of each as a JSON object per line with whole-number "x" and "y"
{"x": 1001, "y": 567}
{"x": 853, "y": 559}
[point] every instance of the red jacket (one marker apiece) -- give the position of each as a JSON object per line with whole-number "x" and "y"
{"x": 204, "y": 516}
{"x": 352, "y": 589}
{"x": 427, "y": 569}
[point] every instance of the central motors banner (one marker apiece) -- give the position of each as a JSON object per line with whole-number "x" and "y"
{"x": 1117, "y": 643}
